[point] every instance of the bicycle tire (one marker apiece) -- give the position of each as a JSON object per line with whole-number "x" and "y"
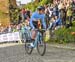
{"x": 27, "y": 49}
{"x": 44, "y": 45}
{"x": 44, "y": 50}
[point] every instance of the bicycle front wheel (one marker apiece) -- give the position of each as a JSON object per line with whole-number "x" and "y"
{"x": 41, "y": 48}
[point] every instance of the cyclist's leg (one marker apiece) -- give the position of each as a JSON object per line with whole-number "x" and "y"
{"x": 33, "y": 34}
{"x": 34, "y": 31}
{"x": 33, "y": 38}
{"x": 36, "y": 39}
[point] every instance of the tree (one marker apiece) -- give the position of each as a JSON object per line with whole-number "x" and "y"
{"x": 33, "y": 5}
{"x": 13, "y": 11}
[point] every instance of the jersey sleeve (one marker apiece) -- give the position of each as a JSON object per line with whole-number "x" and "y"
{"x": 43, "y": 21}
{"x": 32, "y": 18}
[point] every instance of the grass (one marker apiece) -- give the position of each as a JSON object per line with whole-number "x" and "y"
{"x": 64, "y": 35}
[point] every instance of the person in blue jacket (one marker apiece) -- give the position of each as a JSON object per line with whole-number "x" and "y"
{"x": 58, "y": 21}
{"x": 55, "y": 22}
{"x": 37, "y": 16}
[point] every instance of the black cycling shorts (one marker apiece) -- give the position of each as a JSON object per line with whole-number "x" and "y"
{"x": 35, "y": 23}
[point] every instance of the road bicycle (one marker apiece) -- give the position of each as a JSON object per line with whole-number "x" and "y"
{"x": 38, "y": 43}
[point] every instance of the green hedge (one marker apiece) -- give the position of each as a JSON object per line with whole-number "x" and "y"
{"x": 65, "y": 35}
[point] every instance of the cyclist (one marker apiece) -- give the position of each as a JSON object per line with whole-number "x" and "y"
{"x": 37, "y": 16}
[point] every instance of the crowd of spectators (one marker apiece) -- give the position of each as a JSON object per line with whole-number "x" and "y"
{"x": 57, "y": 15}
{"x": 61, "y": 12}
{"x": 24, "y": 14}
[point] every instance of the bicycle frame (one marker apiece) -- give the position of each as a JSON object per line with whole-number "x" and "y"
{"x": 37, "y": 39}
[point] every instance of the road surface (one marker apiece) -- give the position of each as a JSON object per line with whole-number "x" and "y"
{"x": 17, "y": 54}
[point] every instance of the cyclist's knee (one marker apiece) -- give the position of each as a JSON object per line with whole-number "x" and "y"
{"x": 34, "y": 32}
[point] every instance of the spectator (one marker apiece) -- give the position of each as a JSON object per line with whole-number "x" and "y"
{"x": 2, "y": 29}
{"x": 10, "y": 28}
{"x": 62, "y": 15}
{"x": 60, "y": 6}
{"x": 23, "y": 13}
{"x": 28, "y": 13}
{"x": 52, "y": 24}
{"x": 18, "y": 27}
{"x": 20, "y": 17}
{"x": 58, "y": 22}
{"x": 14, "y": 28}
{"x": 55, "y": 10}
{"x": 27, "y": 27}
{"x": 47, "y": 13}
{"x": 6, "y": 30}
{"x": 69, "y": 15}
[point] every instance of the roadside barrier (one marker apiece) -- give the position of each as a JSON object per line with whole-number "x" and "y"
{"x": 10, "y": 37}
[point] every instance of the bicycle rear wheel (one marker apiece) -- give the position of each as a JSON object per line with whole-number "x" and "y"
{"x": 28, "y": 49}
{"x": 28, "y": 42}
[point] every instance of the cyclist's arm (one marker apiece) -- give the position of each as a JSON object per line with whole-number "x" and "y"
{"x": 43, "y": 21}
{"x": 31, "y": 23}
